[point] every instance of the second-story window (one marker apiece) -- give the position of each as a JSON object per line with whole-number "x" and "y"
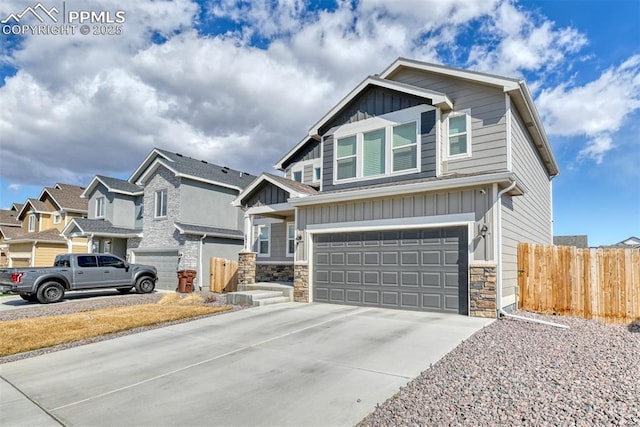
{"x": 100, "y": 207}
{"x": 317, "y": 174}
{"x": 32, "y": 223}
{"x": 459, "y": 134}
{"x": 57, "y": 218}
{"x": 161, "y": 204}
{"x": 405, "y": 147}
{"x": 346, "y": 158}
{"x": 297, "y": 176}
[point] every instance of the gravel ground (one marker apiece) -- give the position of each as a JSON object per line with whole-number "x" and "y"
{"x": 79, "y": 304}
{"x": 516, "y": 373}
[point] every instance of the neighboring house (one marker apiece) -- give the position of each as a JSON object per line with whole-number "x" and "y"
{"x": 174, "y": 213}
{"x": 9, "y": 226}
{"x": 632, "y": 243}
{"x": 114, "y": 216}
{"x": 411, "y": 193}
{"x": 579, "y": 241}
{"x": 43, "y": 219}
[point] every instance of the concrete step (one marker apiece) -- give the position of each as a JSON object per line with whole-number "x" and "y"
{"x": 272, "y": 300}
{"x": 256, "y": 297}
{"x": 285, "y": 289}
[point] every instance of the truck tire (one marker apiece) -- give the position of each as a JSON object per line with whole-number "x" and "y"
{"x": 145, "y": 285}
{"x": 29, "y": 297}
{"x": 124, "y": 290}
{"x": 50, "y": 292}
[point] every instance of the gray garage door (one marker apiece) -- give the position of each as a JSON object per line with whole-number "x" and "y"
{"x": 165, "y": 262}
{"x": 410, "y": 269}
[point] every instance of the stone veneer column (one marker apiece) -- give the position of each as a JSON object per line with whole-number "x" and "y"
{"x": 246, "y": 268}
{"x": 301, "y": 283}
{"x": 482, "y": 291}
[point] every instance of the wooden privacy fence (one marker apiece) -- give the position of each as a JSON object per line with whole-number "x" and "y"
{"x": 223, "y": 275}
{"x": 601, "y": 284}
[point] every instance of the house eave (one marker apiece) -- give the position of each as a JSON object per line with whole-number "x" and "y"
{"x": 438, "y": 99}
{"x": 237, "y": 202}
{"x": 446, "y": 184}
{"x": 150, "y": 170}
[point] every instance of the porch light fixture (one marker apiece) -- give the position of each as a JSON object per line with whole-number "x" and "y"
{"x": 483, "y": 230}
{"x": 299, "y": 236}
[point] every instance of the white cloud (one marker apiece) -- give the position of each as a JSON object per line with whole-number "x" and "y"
{"x": 84, "y": 105}
{"x": 596, "y": 110}
{"x": 521, "y": 41}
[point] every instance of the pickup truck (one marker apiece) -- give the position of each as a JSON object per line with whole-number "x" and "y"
{"x": 74, "y": 272}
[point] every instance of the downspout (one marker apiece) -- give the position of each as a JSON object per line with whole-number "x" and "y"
{"x": 501, "y": 312}
{"x": 200, "y": 251}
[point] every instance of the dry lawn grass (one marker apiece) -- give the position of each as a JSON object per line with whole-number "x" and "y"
{"x": 18, "y": 336}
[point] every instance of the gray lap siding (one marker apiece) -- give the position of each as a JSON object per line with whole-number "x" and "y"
{"x": 525, "y": 218}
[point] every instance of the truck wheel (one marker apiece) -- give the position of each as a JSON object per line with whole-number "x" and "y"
{"x": 145, "y": 285}
{"x": 29, "y": 297}
{"x": 50, "y": 292}
{"x": 124, "y": 290}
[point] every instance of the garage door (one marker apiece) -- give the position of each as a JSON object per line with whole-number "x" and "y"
{"x": 20, "y": 262}
{"x": 409, "y": 269}
{"x": 165, "y": 262}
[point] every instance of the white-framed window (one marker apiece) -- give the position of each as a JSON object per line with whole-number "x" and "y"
{"x": 160, "y": 210}
{"x": 379, "y": 152}
{"x": 291, "y": 239}
{"x": 346, "y": 150}
{"x": 458, "y": 129}
{"x": 317, "y": 174}
{"x": 57, "y": 218}
{"x": 297, "y": 176}
{"x": 32, "y": 223}
{"x": 100, "y": 207}
{"x": 404, "y": 150}
{"x": 264, "y": 240}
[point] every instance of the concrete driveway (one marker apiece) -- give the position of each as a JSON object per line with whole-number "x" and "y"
{"x": 286, "y": 364}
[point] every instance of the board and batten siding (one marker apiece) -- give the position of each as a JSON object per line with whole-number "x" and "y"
{"x": 267, "y": 194}
{"x": 428, "y": 136}
{"x": 470, "y": 200}
{"x": 526, "y": 218}
{"x": 488, "y": 119}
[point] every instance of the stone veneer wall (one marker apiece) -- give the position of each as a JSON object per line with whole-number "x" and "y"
{"x": 274, "y": 273}
{"x": 482, "y": 291}
{"x": 301, "y": 283}
{"x": 247, "y": 268}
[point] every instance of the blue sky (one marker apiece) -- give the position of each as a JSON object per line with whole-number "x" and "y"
{"x": 239, "y": 82}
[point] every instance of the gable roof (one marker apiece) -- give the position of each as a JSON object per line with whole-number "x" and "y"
{"x": 9, "y": 218}
{"x": 66, "y": 197}
{"x": 9, "y": 232}
{"x": 16, "y": 207}
{"x": 187, "y": 167}
{"x": 517, "y": 89}
{"x": 98, "y": 227}
{"x": 113, "y": 185}
{"x": 35, "y": 205}
{"x": 437, "y": 99}
{"x": 294, "y": 188}
{"x": 51, "y": 235}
